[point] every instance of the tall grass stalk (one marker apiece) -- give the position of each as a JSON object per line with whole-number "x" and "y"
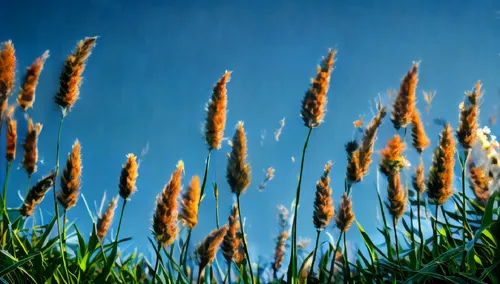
{"x": 435, "y": 247}
{"x": 216, "y": 195}
{"x": 464, "y": 207}
{"x": 5, "y": 185}
{"x": 394, "y": 223}
{"x": 205, "y": 175}
{"x": 27, "y": 187}
{"x": 244, "y": 239}
{"x": 314, "y": 254}
{"x": 331, "y": 278}
{"x": 158, "y": 255}
{"x": 420, "y": 233}
{"x": 347, "y": 270}
{"x": 182, "y": 260}
{"x": 292, "y": 267}
{"x": 120, "y": 222}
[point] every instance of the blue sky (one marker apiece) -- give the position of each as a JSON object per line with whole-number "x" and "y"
{"x": 155, "y": 64}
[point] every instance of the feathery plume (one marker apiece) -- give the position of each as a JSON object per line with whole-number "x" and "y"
{"x": 71, "y": 75}
{"x": 71, "y": 178}
{"x": 30, "y": 147}
{"x": 7, "y": 69}
{"x": 404, "y": 104}
{"x": 105, "y": 220}
{"x": 420, "y": 139}
{"x": 207, "y": 249}
{"x": 418, "y": 180}
{"x": 440, "y": 180}
{"x": 231, "y": 241}
{"x": 164, "y": 219}
{"x": 479, "y": 183}
{"x": 391, "y": 157}
{"x": 323, "y": 203}
{"x": 469, "y": 113}
{"x": 216, "y": 113}
{"x": 36, "y": 194}
{"x": 10, "y": 154}
{"x": 26, "y": 96}
{"x": 314, "y": 102}
{"x": 188, "y": 213}
{"x": 238, "y": 172}
{"x": 397, "y": 195}
{"x": 280, "y": 249}
{"x": 239, "y": 253}
{"x": 128, "y": 177}
{"x": 282, "y": 216}
{"x": 345, "y": 215}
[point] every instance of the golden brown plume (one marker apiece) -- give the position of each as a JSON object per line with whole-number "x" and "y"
{"x": 26, "y": 96}
{"x": 238, "y": 171}
{"x": 71, "y": 178}
{"x": 479, "y": 183}
{"x": 420, "y": 140}
{"x": 36, "y": 194}
{"x": 418, "y": 180}
{"x": 188, "y": 213}
{"x": 105, "y": 220}
{"x": 440, "y": 180}
{"x": 404, "y": 104}
{"x": 165, "y": 217}
{"x": 323, "y": 203}
{"x": 391, "y": 157}
{"x": 279, "y": 251}
{"x": 207, "y": 249}
{"x": 30, "y": 147}
{"x": 128, "y": 177}
{"x": 231, "y": 241}
{"x": 396, "y": 195}
{"x": 216, "y": 113}
{"x": 345, "y": 215}
{"x": 11, "y": 135}
{"x": 7, "y": 70}
{"x": 314, "y": 102}
{"x": 469, "y": 113}
{"x": 71, "y": 75}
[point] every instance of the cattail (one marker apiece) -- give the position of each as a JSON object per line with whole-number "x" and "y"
{"x": 26, "y": 96}
{"x": 208, "y": 248}
{"x": 11, "y": 135}
{"x": 71, "y": 75}
{"x": 404, "y": 104}
{"x": 479, "y": 183}
{"x": 469, "y": 112}
{"x": 440, "y": 180}
{"x": 279, "y": 251}
{"x": 420, "y": 140}
{"x": 418, "y": 179}
{"x": 30, "y": 147}
{"x": 396, "y": 195}
{"x": 128, "y": 177}
{"x": 71, "y": 178}
{"x": 36, "y": 194}
{"x": 391, "y": 157}
{"x": 238, "y": 170}
{"x": 188, "y": 213}
{"x": 7, "y": 69}
{"x": 231, "y": 241}
{"x": 314, "y": 102}
{"x": 345, "y": 215}
{"x": 165, "y": 217}
{"x": 216, "y": 113}
{"x": 105, "y": 220}
{"x": 323, "y": 203}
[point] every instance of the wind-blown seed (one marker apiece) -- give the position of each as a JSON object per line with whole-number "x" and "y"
{"x": 404, "y": 104}
{"x": 469, "y": 113}
{"x": 105, "y": 220}
{"x": 440, "y": 179}
{"x": 30, "y": 147}
{"x": 345, "y": 215}
{"x": 323, "y": 203}
{"x": 128, "y": 177}
{"x": 26, "y": 96}
{"x": 231, "y": 240}
{"x": 71, "y": 178}
{"x": 420, "y": 139}
{"x": 188, "y": 213}
{"x": 36, "y": 194}
{"x": 11, "y": 137}
{"x": 216, "y": 113}
{"x": 207, "y": 249}
{"x": 238, "y": 172}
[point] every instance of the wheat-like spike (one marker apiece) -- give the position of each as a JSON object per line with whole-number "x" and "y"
{"x": 231, "y": 241}
{"x": 420, "y": 139}
{"x": 11, "y": 137}
{"x": 71, "y": 178}
{"x": 404, "y": 104}
{"x": 323, "y": 203}
{"x": 479, "y": 183}
{"x": 418, "y": 180}
{"x": 238, "y": 172}
{"x": 165, "y": 227}
{"x": 30, "y": 147}
{"x": 314, "y": 102}
{"x": 188, "y": 213}
{"x": 36, "y": 194}
{"x": 397, "y": 196}
{"x": 279, "y": 250}
{"x": 391, "y": 157}
{"x": 440, "y": 179}
{"x": 7, "y": 69}
{"x": 71, "y": 75}
{"x": 105, "y": 220}
{"x": 128, "y": 177}
{"x": 345, "y": 215}
{"x": 469, "y": 113}
{"x": 239, "y": 254}
{"x": 26, "y": 96}
{"x": 216, "y": 113}
{"x": 207, "y": 249}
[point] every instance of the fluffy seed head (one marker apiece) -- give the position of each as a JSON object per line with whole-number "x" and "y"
{"x": 7, "y": 69}
{"x": 404, "y": 104}
{"x": 279, "y": 250}
{"x": 231, "y": 240}
{"x": 396, "y": 195}
{"x": 418, "y": 180}
{"x": 26, "y": 96}
{"x": 105, "y": 220}
{"x": 128, "y": 176}
{"x": 216, "y": 113}
{"x": 469, "y": 113}
{"x": 345, "y": 215}
{"x": 165, "y": 227}
{"x": 391, "y": 157}
{"x": 420, "y": 139}
{"x": 314, "y": 102}
{"x": 30, "y": 147}
{"x": 71, "y": 75}
{"x": 238, "y": 171}
{"x": 479, "y": 183}
{"x": 10, "y": 154}
{"x": 36, "y": 194}
{"x": 323, "y": 203}
{"x": 207, "y": 249}
{"x": 440, "y": 180}
{"x": 71, "y": 178}
{"x": 188, "y": 213}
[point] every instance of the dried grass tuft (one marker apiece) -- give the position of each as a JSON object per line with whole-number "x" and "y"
{"x": 128, "y": 177}
{"x": 188, "y": 213}
{"x": 207, "y": 249}
{"x": 71, "y": 178}
{"x": 238, "y": 172}
{"x": 469, "y": 113}
{"x": 37, "y": 193}
{"x": 231, "y": 241}
{"x": 31, "y": 147}
{"x": 11, "y": 136}
{"x": 404, "y": 104}
{"x": 345, "y": 215}
{"x": 323, "y": 203}
{"x": 216, "y": 113}
{"x": 105, "y": 220}
{"x": 26, "y": 96}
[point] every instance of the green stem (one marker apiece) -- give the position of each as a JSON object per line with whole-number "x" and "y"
{"x": 394, "y": 223}
{"x": 292, "y": 267}
{"x": 464, "y": 212}
{"x": 27, "y": 187}
{"x": 204, "y": 183}
{"x": 64, "y": 230}
{"x": 216, "y": 194}
{"x": 228, "y": 274}
{"x": 211, "y": 274}
{"x": 158, "y": 255}
{"x": 184, "y": 252}
{"x": 314, "y": 254}
{"x": 5, "y": 184}
{"x": 332, "y": 268}
{"x": 420, "y": 233}
{"x": 244, "y": 238}
{"x": 200, "y": 269}
{"x": 120, "y": 222}
{"x": 347, "y": 269}
{"x": 435, "y": 247}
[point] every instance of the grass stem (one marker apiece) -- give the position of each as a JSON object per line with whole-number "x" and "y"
{"x": 5, "y": 185}
{"x": 244, "y": 238}
{"x": 331, "y": 278}
{"x": 310, "y": 275}
{"x": 158, "y": 255}
{"x": 464, "y": 210}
